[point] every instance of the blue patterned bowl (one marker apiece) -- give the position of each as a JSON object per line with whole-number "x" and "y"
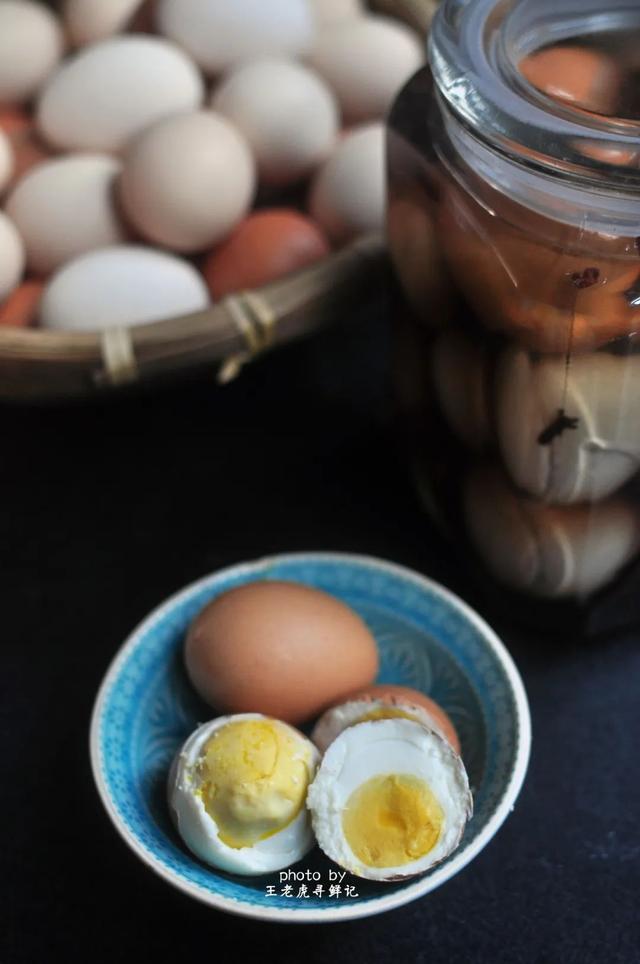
{"x": 428, "y": 639}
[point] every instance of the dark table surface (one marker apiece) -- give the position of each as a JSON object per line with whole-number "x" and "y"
{"x": 108, "y": 508}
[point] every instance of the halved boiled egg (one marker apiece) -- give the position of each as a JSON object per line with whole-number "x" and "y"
{"x": 237, "y": 792}
{"x": 390, "y": 800}
{"x": 387, "y": 707}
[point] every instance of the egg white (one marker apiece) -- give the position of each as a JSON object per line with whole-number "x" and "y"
{"x": 200, "y": 832}
{"x": 339, "y": 718}
{"x": 382, "y": 747}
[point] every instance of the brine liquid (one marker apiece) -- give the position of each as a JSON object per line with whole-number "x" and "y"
{"x": 518, "y": 370}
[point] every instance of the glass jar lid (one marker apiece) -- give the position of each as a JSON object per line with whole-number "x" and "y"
{"x": 477, "y": 49}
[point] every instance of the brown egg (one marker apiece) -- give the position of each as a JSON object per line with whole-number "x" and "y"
{"x": 28, "y": 150}
{"x": 575, "y": 75}
{"x": 278, "y": 648}
{"x": 545, "y": 298}
{"x": 21, "y": 307}
{"x": 406, "y": 696}
{"x": 266, "y": 246}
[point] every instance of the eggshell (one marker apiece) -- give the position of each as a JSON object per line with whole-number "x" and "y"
{"x": 366, "y": 61}
{"x": 219, "y": 34}
{"x": 66, "y": 207}
{"x": 534, "y": 291}
{"x": 110, "y": 91}
{"x": 188, "y": 181}
{"x": 31, "y": 45}
{"x": 393, "y": 694}
{"x": 21, "y": 307}
{"x": 27, "y": 148}
{"x": 266, "y": 246}
{"x": 6, "y": 161}
{"x": 416, "y": 253}
{"x": 591, "y": 458}
{"x": 12, "y": 257}
{"x": 333, "y": 11}
{"x": 287, "y": 113}
{"x": 122, "y": 285}
{"x": 548, "y": 551}
{"x": 576, "y": 75}
{"x": 14, "y": 120}
{"x": 89, "y": 21}
{"x": 348, "y": 195}
{"x": 278, "y": 648}
{"x": 459, "y": 370}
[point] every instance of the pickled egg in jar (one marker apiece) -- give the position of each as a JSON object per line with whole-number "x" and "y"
{"x": 514, "y": 228}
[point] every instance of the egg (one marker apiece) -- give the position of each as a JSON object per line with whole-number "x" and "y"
{"x": 460, "y": 374}
{"x": 547, "y": 301}
{"x": 21, "y": 307}
{"x": 14, "y": 120}
{"x": 237, "y": 793}
{"x": 110, "y": 91}
{"x": 89, "y": 21}
{"x": 345, "y": 55}
{"x": 219, "y": 34}
{"x": 66, "y": 207}
{"x": 6, "y": 161}
{"x": 394, "y": 695}
{"x": 31, "y": 45}
{"x": 266, "y": 246}
{"x": 390, "y": 799}
{"x": 596, "y": 451}
{"x": 348, "y": 195}
{"x": 278, "y": 648}
{"x": 287, "y": 113}
{"x": 121, "y": 285}
{"x": 575, "y": 75}
{"x": 12, "y": 257}
{"x": 335, "y": 720}
{"x": 188, "y": 181}
{"x": 548, "y": 551}
{"x": 26, "y": 147}
{"x": 334, "y": 11}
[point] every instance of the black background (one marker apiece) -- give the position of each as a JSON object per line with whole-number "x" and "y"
{"x": 109, "y": 507}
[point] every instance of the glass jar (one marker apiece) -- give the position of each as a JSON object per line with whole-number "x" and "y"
{"x": 514, "y": 227}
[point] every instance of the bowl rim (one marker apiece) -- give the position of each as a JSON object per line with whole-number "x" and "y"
{"x": 378, "y": 905}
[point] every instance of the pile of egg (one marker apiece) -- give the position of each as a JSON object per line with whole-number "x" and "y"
{"x": 137, "y": 136}
{"x": 379, "y": 784}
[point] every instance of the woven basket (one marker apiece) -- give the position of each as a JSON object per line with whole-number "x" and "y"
{"x": 39, "y": 364}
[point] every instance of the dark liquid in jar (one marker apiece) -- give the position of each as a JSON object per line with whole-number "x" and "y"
{"x": 522, "y": 393}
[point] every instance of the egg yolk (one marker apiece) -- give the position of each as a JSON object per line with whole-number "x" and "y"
{"x": 253, "y": 780}
{"x": 392, "y": 820}
{"x": 387, "y": 714}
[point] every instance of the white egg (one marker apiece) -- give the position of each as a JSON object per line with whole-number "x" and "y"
{"x": 593, "y": 454}
{"x": 287, "y": 113}
{"x": 548, "y": 551}
{"x": 66, "y": 207}
{"x": 366, "y": 61}
{"x": 110, "y": 91}
{"x": 219, "y": 34}
{"x": 338, "y": 718}
{"x": 459, "y": 372}
{"x": 31, "y": 45}
{"x": 188, "y": 181}
{"x": 348, "y": 195}
{"x": 389, "y": 790}
{"x": 198, "y": 828}
{"x": 6, "y": 161}
{"x": 122, "y": 285}
{"x": 334, "y": 11}
{"x": 12, "y": 257}
{"x": 89, "y": 21}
